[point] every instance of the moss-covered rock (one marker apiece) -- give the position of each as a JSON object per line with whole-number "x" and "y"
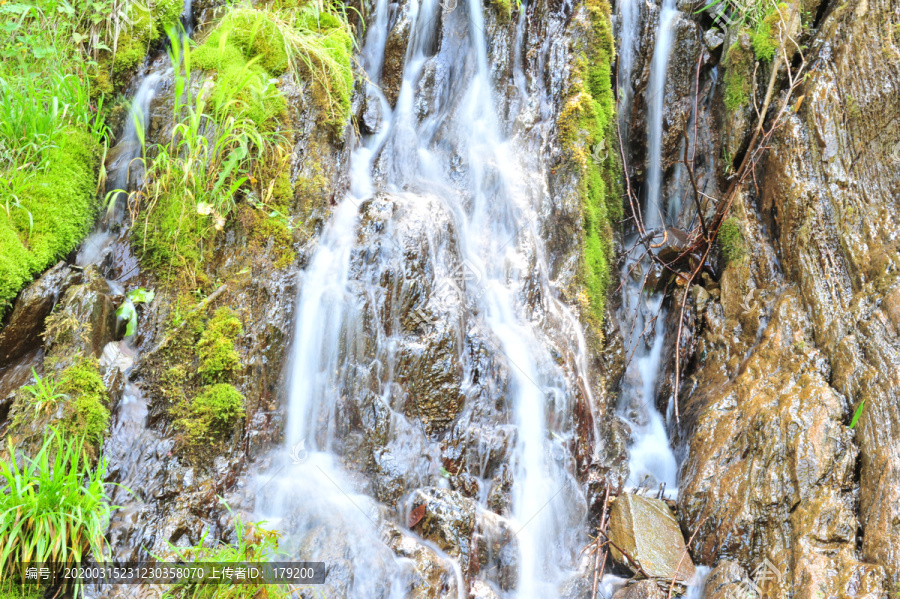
{"x": 87, "y": 411}
{"x": 586, "y": 129}
{"x": 731, "y": 240}
{"x": 55, "y": 211}
{"x": 738, "y": 79}
{"x": 218, "y": 357}
{"x": 213, "y": 413}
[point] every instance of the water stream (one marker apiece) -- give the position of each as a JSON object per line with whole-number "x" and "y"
{"x": 458, "y": 161}
{"x": 642, "y": 316}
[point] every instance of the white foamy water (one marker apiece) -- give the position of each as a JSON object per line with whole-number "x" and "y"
{"x": 458, "y": 158}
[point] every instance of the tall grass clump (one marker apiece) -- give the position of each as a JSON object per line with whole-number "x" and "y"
{"x": 252, "y": 544}
{"x": 54, "y": 506}
{"x": 191, "y": 180}
{"x": 51, "y": 130}
{"x": 313, "y": 43}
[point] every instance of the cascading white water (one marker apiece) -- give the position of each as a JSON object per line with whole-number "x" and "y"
{"x": 651, "y": 460}
{"x": 629, "y": 14}
{"x": 656, "y": 96}
{"x": 491, "y": 205}
{"x": 123, "y": 169}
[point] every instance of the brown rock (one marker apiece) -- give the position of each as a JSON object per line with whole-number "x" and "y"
{"x": 22, "y": 333}
{"x": 646, "y": 529}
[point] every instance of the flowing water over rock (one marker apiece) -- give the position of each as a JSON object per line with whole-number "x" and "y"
{"x": 642, "y": 317}
{"x": 432, "y": 261}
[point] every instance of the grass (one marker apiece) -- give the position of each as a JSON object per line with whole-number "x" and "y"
{"x": 313, "y": 43}
{"x": 51, "y": 131}
{"x": 586, "y": 130}
{"x": 55, "y": 506}
{"x": 76, "y": 398}
{"x": 253, "y": 543}
{"x": 191, "y": 181}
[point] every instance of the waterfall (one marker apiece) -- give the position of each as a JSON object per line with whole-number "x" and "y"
{"x": 455, "y": 160}
{"x": 629, "y": 13}
{"x": 642, "y": 317}
{"x": 656, "y": 96}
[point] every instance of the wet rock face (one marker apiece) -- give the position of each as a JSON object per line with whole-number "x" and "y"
{"x": 21, "y": 334}
{"x": 772, "y": 458}
{"x": 647, "y": 531}
{"x": 770, "y": 452}
{"x": 433, "y": 576}
{"x": 395, "y": 54}
{"x": 85, "y": 320}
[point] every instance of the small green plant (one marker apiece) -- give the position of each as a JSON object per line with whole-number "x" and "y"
{"x": 218, "y": 357}
{"x": 857, "y": 413}
{"x": 127, "y": 311}
{"x": 45, "y": 395}
{"x": 54, "y": 506}
{"x": 731, "y": 240}
{"x": 252, "y": 543}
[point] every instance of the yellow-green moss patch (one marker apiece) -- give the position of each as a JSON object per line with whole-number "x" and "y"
{"x": 218, "y": 358}
{"x": 586, "y": 126}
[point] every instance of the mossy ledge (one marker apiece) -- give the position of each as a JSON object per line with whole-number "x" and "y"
{"x": 587, "y": 133}
{"x": 54, "y": 214}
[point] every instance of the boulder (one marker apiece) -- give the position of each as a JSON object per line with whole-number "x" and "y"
{"x": 26, "y": 323}
{"x": 445, "y": 518}
{"x": 84, "y": 321}
{"x": 646, "y": 529}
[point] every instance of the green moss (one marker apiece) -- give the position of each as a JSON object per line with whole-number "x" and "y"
{"x": 731, "y": 240}
{"x": 242, "y": 86}
{"x": 173, "y": 236}
{"x": 218, "y": 357}
{"x": 586, "y": 126}
{"x": 167, "y": 14}
{"x": 504, "y": 8}
{"x": 738, "y": 76}
{"x": 57, "y": 208}
{"x": 268, "y": 43}
{"x": 212, "y": 414}
{"x": 764, "y": 36}
{"x": 88, "y": 414}
{"x": 129, "y": 54}
{"x": 14, "y": 591}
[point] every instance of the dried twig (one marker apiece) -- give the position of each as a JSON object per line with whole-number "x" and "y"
{"x": 686, "y": 547}
{"x": 600, "y": 562}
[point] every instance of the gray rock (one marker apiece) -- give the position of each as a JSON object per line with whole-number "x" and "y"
{"x": 713, "y": 38}
{"x": 645, "y": 589}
